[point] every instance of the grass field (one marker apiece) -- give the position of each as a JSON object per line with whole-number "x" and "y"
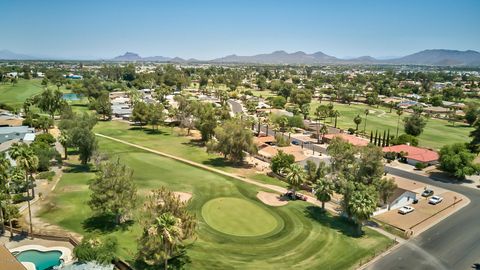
{"x": 295, "y": 235}
{"x": 436, "y": 134}
{"x": 15, "y": 95}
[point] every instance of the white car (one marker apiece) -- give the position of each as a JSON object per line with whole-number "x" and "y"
{"x": 435, "y": 200}
{"x": 405, "y": 210}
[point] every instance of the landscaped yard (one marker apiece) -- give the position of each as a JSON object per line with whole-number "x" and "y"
{"x": 436, "y": 134}
{"x": 15, "y": 95}
{"x": 235, "y": 229}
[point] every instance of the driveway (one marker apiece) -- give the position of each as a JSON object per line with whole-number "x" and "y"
{"x": 452, "y": 244}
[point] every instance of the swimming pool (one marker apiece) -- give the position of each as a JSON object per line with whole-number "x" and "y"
{"x": 71, "y": 97}
{"x": 43, "y": 260}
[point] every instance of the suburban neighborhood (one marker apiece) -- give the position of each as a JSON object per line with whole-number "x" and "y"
{"x": 282, "y": 160}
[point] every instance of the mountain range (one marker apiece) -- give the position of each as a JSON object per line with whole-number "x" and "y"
{"x": 436, "y": 57}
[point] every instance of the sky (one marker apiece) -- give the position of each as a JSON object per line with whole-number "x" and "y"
{"x": 206, "y": 29}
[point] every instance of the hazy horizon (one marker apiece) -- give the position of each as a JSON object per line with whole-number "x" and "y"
{"x": 211, "y": 29}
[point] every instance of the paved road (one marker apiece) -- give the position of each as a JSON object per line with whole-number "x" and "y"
{"x": 452, "y": 244}
{"x": 236, "y": 106}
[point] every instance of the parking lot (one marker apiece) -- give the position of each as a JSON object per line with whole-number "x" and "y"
{"x": 425, "y": 215}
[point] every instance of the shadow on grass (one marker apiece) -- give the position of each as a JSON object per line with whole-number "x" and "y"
{"x": 337, "y": 223}
{"x": 447, "y": 178}
{"x": 104, "y": 223}
{"x": 177, "y": 262}
{"x": 76, "y": 168}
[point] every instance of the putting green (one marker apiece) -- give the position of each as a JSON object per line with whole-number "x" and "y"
{"x": 238, "y": 217}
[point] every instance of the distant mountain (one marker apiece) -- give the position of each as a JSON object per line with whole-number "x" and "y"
{"x": 440, "y": 57}
{"x": 9, "y": 55}
{"x": 128, "y": 56}
{"x": 437, "y": 57}
{"x": 279, "y": 57}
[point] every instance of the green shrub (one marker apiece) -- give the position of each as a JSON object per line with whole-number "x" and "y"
{"x": 95, "y": 248}
{"x": 420, "y": 165}
{"x": 404, "y": 139}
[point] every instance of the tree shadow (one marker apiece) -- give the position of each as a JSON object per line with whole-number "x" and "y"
{"x": 77, "y": 168}
{"x": 154, "y": 132}
{"x": 105, "y": 223}
{"x": 338, "y": 223}
{"x": 195, "y": 142}
{"x": 179, "y": 261}
{"x": 447, "y": 178}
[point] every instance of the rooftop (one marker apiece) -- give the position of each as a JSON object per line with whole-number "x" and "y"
{"x": 415, "y": 153}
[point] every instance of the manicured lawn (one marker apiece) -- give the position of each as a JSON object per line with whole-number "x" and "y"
{"x": 15, "y": 95}
{"x": 297, "y": 235}
{"x": 248, "y": 218}
{"x": 436, "y": 134}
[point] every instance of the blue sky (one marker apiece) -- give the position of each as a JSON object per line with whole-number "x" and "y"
{"x": 210, "y": 28}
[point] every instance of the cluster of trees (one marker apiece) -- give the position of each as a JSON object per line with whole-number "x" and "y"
{"x": 356, "y": 173}
{"x": 76, "y": 132}
{"x": 165, "y": 220}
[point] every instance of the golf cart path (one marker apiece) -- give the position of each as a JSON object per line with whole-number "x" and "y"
{"x": 278, "y": 189}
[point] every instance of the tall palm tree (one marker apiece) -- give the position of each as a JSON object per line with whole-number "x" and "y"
{"x": 64, "y": 140}
{"x": 295, "y": 177}
{"x": 367, "y": 112}
{"x": 168, "y": 228}
{"x": 4, "y": 168}
{"x": 27, "y": 160}
{"x": 323, "y": 131}
{"x": 362, "y": 204}
{"x": 336, "y": 114}
{"x": 324, "y": 190}
{"x": 399, "y": 113}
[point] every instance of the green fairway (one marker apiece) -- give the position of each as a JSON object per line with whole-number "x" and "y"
{"x": 297, "y": 235}
{"x": 436, "y": 134}
{"x": 238, "y": 217}
{"x": 15, "y": 95}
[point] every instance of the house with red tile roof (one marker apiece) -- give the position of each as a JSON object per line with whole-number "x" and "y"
{"x": 356, "y": 141}
{"x": 414, "y": 155}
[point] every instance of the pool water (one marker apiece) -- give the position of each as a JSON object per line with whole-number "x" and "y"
{"x": 42, "y": 260}
{"x": 71, "y": 97}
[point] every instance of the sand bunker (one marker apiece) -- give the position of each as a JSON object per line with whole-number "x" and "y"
{"x": 184, "y": 196}
{"x": 272, "y": 199}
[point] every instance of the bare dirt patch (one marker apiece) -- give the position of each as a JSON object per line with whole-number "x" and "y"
{"x": 184, "y": 196}
{"x": 271, "y": 199}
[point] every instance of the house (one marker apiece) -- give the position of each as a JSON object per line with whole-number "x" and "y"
{"x": 354, "y": 140}
{"x": 14, "y": 133}
{"x": 73, "y": 76}
{"x": 414, "y": 155}
{"x": 405, "y": 193}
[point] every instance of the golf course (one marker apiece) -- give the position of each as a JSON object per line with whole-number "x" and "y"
{"x": 15, "y": 94}
{"x": 235, "y": 230}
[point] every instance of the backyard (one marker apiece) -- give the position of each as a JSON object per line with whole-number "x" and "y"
{"x": 295, "y": 235}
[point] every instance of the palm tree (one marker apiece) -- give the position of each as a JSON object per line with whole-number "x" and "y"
{"x": 4, "y": 168}
{"x": 323, "y": 190}
{"x": 295, "y": 177}
{"x": 168, "y": 228}
{"x": 63, "y": 140}
{"x": 27, "y": 160}
{"x": 323, "y": 131}
{"x": 399, "y": 113}
{"x": 357, "y": 120}
{"x": 367, "y": 111}
{"x": 362, "y": 204}
{"x": 336, "y": 114}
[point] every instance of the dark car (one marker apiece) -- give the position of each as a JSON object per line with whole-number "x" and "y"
{"x": 427, "y": 193}
{"x": 295, "y": 142}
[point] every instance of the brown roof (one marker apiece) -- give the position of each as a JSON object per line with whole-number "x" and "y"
{"x": 357, "y": 141}
{"x": 271, "y": 151}
{"x": 8, "y": 261}
{"x": 263, "y": 140}
{"x": 415, "y": 153}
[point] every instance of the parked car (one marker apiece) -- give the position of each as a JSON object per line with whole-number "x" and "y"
{"x": 405, "y": 210}
{"x": 427, "y": 193}
{"x": 295, "y": 142}
{"x": 297, "y": 196}
{"x": 435, "y": 200}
